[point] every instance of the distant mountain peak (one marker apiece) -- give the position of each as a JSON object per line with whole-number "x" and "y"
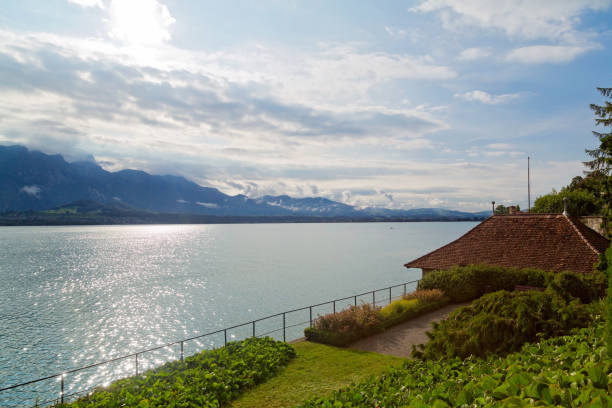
{"x": 31, "y": 180}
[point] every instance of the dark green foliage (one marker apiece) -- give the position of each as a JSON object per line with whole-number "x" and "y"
{"x": 333, "y": 338}
{"x": 569, "y": 371}
{"x": 501, "y": 322}
{"x": 208, "y": 379}
{"x": 571, "y": 285}
{"x": 465, "y": 283}
{"x": 601, "y": 157}
{"x": 608, "y": 308}
{"x": 579, "y": 203}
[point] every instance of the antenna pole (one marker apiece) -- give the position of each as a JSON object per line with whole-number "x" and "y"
{"x": 528, "y": 186}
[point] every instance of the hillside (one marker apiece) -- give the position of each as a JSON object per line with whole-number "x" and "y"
{"x": 34, "y": 181}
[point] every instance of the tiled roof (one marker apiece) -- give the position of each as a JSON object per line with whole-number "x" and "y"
{"x": 547, "y": 241}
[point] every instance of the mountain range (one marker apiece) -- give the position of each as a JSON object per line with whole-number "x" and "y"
{"x": 34, "y": 181}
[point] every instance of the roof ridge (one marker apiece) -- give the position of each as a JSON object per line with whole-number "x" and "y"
{"x": 450, "y": 243}
{"x": 580, "y": 234}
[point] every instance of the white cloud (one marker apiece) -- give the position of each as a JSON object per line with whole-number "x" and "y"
{"x": 396, "y": 33}
{"x": 88, "y": 3}
{"x": 500, "y": 146}
{"x": 527, "y": 19}
{"x": 487, "y": 98}
{"x": 541, "y": 54}
{"x": 31, "y": 190}
{"x": 140, "y": 22}
{"x": 207, "y": 205}
{"x": 470, "y": 54}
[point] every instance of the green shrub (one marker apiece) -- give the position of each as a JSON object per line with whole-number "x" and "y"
{"x": 501, "y": 322}
{"x": 465, "y": 283}
{"x": 398, "y": 307}
{"x": 569, "y": 371}
{"x": 208, "y": 379}
{"x": 412, "y": 305}
{"x": 571, "y": 285}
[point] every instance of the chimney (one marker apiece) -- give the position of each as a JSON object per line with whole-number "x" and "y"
{"x": 565, "y": 206}
{"x": 512, "y": 210}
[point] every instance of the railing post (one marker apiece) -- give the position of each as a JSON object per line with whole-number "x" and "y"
{"x": 62, "y": 389}
{"x": 374, "y": 298}
{"x": 225, "y": 337}
{"x": 404, "y": 289}
{"x": 284, "y": 334}
{"x": 389, "y": 294}
{"x": 355, "y": 300}
{"x": 182, "y": 352}
{"x": 253, "y": 328}
{"x": 310, "y": 316}
{"x": 334, "y": 307}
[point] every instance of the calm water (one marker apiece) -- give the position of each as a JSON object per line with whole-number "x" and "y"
{"x": 71, "y": 296}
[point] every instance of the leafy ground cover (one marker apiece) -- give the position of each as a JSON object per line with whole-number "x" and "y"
{"x": 208, "y": 379}
{"x": 568, "y": 371}
{"x": 316, "y": 371}
{"x": 357, "y": 322}
{"x": 501, "y": 322}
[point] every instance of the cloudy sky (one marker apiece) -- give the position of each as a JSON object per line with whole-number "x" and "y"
{"x": 430, "y": 103}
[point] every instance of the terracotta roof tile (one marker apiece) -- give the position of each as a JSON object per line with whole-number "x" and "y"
{"x": 547, "y": 241}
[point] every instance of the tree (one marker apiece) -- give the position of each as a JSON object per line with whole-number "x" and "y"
{"x": 579, "y": 202}
{"x": 602, "y": 156}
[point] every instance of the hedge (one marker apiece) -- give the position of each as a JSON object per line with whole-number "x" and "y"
{"x": 466, "y": 283}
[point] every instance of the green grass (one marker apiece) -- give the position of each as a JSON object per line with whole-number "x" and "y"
{"x": 316, "y": 371}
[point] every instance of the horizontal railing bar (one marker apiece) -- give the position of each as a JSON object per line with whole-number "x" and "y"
{"x": 74, "y": 370}
{"x": 296, "y": 325}
{"x": 324, "y": 303}
{"x": 297, "y": 310}
{"x": 267, "y": 317}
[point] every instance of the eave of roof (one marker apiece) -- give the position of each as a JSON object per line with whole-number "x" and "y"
{"x": 497, "y": 240}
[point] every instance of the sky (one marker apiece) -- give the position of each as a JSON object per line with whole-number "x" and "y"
{"x": 397, "y": 104}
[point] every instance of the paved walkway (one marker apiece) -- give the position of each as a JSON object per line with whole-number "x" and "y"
{"x": 398, "y": 340}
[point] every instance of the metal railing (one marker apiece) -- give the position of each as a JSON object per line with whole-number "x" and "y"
{"x": 385, "y": 295}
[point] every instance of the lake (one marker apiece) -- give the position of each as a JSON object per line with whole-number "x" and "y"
{"x": 75, "y": 295}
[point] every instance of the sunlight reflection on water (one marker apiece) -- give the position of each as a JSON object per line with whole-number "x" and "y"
{"x": 73, "y": 296}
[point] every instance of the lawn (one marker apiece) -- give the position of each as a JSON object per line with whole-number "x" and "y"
{"x": 316, "y": 371}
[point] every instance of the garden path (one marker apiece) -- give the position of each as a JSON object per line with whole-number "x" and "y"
{"x": 398, "y": 340}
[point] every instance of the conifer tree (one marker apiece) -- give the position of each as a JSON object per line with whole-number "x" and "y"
{"x": 602, "y": 155}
